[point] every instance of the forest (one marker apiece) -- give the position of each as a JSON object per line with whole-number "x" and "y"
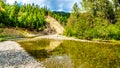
{"x": 97, "y": 19}
{"x": 24, "y": 16}
{"x": 94, "y": 19}
{"x": 28, "y": 16}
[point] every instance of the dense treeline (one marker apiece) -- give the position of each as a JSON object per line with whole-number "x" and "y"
{"x": 25, "y": 16}
{"x": 97, "y": 19}
{"x": 60, "y": 16}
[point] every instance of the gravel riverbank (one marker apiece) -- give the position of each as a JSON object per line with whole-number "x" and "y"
{"x": 13, "y": 56}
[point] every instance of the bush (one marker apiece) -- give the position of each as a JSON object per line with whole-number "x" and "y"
{"x": 2, "y": 25}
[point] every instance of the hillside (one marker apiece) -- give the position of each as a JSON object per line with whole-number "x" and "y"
{"x": 54, "y": 25}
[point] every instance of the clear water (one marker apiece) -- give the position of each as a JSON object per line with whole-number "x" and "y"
{"x": 74, "y": 54}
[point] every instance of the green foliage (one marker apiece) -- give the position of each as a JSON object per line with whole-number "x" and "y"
{"x": 1, "y": 39}
{"x": 25, "y": 16}
{"x": 60, "y": 16}
{"x": 34, "y": 19}
{"x": 2, "y": 25}
{"x": 99, "y": 20}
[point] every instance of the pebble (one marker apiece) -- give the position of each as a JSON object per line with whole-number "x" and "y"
{"x": 12, "y": 55}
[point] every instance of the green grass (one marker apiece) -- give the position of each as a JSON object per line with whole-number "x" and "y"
{"x": 1, "y": 39}
{"x": 81, "y": 54}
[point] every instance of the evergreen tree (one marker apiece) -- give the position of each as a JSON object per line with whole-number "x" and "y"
{"x": 100, "y": 19}
{"x": 25, "y": 16}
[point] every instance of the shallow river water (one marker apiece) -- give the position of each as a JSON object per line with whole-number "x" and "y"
{"x": 73, "y": 54}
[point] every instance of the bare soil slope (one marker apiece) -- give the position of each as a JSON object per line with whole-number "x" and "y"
{"x": 55, "y": 25}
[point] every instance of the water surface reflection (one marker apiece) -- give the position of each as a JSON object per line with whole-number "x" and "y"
{"x": 74, "y": 54}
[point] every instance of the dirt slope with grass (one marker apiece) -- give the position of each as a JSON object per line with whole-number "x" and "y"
{"x": 55, "y": 25}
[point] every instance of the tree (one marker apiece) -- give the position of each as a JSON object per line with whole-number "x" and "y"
{"x": 25, "y": 16}
{"x": 100, "y": 8}
{"x": 72, "y": 21}
{"x": 2, "y": 11}
{"x": 98, "y": 20}
{"x": 75, "y": 10}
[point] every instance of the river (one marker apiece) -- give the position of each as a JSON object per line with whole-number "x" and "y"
{"x": 73, "y": 54}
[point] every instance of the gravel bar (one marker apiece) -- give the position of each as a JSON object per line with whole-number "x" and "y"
{"x": 13, "y": 56}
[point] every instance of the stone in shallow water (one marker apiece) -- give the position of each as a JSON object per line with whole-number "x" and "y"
{"x": 58, "y": 62}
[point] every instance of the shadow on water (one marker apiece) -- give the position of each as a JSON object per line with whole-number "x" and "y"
{"x": 74, "y": 54}
{"x": 39, "y": 54}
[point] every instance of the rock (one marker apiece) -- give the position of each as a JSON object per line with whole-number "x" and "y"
{"x": 13, "y": 56}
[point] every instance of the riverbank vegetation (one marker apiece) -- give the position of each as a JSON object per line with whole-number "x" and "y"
{"x": 10, "y": 33}
{"x": 93, "y": 20}
{"x": 97, "y": 19}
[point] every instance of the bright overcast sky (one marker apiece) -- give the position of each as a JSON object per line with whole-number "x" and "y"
{"x": 57, "y": 5}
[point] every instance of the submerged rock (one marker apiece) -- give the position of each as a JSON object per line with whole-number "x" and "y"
{"x": 58, "y": 62}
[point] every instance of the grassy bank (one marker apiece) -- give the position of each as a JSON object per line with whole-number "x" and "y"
{"x": 13, "y": 33}
{"x": 9, "y": 33}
